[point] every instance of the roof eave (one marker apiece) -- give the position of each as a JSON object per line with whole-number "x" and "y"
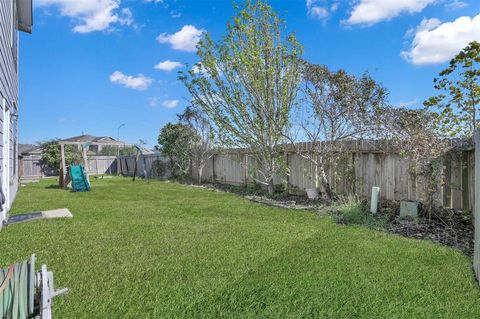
{"x": 25, "y": 15}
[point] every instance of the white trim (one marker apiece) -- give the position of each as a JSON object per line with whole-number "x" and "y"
{"x": 6, "y": 159}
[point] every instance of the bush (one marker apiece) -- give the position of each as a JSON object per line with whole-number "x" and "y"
{"x": 51, "y": 154}
{"x": 160, "y": 168}
{"x": 352, "y": 210}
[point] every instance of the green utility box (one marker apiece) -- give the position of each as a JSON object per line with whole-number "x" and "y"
{"x": 408, "y": 209}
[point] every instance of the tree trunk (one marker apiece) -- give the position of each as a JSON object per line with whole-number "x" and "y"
{"x": 325, "y": 189}
{"x": 271, "y": 187}
{"x": 200, "y": 173}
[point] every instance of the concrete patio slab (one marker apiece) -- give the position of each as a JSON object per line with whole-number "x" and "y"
{"x": 47, "y": 214}
{"x": 57, "y": 213}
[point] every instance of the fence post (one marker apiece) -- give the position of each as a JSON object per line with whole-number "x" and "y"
{"x": 287, "y": 165}
{"x": 213, "y": 168}
{"x": 476, "y": 215}
{"x": 245, "y": 172}
{"x": 64, "y": 167}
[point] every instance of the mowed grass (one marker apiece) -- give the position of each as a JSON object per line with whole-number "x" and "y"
{"x": 164, "y": 250}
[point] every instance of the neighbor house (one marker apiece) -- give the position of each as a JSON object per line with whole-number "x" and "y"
{"x": 29, "y": 149}
{"x": 94, "y": 149}
{"x": 97, "y": 142}
{"x": 15, "y": 15}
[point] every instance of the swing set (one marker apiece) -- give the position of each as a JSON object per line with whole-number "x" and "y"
{"x": 81, "y": 171}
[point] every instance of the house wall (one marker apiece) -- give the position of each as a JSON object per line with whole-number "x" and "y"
{"x": 9, "y": 96}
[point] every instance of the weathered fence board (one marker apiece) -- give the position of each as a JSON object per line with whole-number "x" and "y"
{"x": 32, "y": 167}
{"x": 476, "y": 212}
{"x": 149, "y": 165}
{"x": 357, "y": 173}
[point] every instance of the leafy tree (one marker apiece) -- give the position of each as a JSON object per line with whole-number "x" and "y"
{"x": 51, "y": 154}
{"x": 200, "y": 148}
{"x": 247, "y": 84}
{"x": 175, "y": 141}
{"x": 337, "y": 108}
{"x": 458, "y": 103}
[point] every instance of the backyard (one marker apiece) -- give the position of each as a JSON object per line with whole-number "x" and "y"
{"x": 138, "y": 250}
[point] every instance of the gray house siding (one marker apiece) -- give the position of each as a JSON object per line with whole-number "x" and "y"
{"x": 8, "y": 100}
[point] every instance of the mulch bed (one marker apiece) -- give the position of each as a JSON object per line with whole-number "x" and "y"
{"x": 279, "y": 199}
{"x": 461, "y": 238}
{"x": 450, "y": 227}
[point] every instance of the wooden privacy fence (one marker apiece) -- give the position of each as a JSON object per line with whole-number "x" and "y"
{"x": 356, "y": 173}
{"x": 476, "y": 212}
{"x": 102, "y": 165}
{"x": 152, "y": 165}
{"x": 32, "y": 167}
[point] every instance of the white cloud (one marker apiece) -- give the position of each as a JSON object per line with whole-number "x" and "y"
{"x": 91, "y": 15}
{"x": 408, "y": 103}
{"x": 319, "y": 12}
{"x": 456, "y": 4}
{"x": 199, "y": 69}
{"x": 184, "y": 40}
{"x": 175, "y": 14}
{"x": 334, "y": 6}
{"x": 168, "y": 65}
{"x": 369, "y": 12}
{"x": 139, "y": 82}
{"x": 153, "y": 101}
{"x": 170, "y": 104}
{"x": 436, "y": 42}
{"x": 426, "y": 24}
{"x": 320, "y": 9}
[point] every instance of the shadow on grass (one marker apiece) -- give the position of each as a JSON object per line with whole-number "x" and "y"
{"x": 53, "y": 186}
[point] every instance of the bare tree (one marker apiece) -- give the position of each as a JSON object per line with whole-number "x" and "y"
{"x": 201, "y": 148}
{"x": 414, "y": 135}
{"x": 336, "y": 108}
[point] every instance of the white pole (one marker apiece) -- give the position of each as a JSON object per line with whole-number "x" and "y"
{"x": 374, "y": 199}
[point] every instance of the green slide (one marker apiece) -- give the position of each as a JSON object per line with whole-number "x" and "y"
{"x": 79, "y": 178}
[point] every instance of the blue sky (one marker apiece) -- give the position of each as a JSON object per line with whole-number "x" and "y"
{"x": 91, "y": 65}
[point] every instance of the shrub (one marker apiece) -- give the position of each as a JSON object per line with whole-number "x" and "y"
{"x": 51, "y": 154}
{"x": 352, "y": 210}
{"x": 160, "y": 168}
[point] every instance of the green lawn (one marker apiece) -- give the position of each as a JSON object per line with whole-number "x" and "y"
{"x": 164, "y": 250}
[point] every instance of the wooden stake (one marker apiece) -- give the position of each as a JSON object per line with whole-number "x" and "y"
{"x": 84, "y": 155}
{"x": 64, "y": 166}
{"x": 136, "y": 164}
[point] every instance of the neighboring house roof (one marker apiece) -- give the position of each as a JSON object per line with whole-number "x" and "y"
{"x": 29, "y": 149}
{"x": 90, "y": 138}
{"x": 147, "y": 151}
